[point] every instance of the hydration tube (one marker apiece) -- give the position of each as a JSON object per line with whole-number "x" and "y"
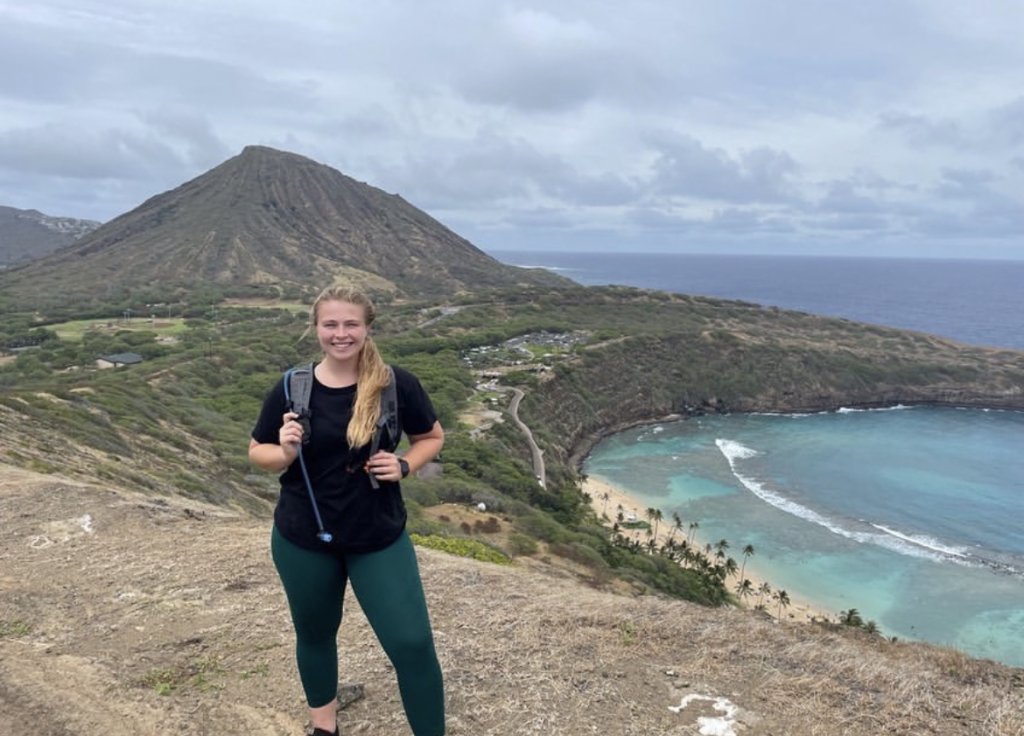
{"x": 322, "y": 534}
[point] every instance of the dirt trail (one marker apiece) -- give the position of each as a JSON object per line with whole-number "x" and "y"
{"x": 126, "y": 614}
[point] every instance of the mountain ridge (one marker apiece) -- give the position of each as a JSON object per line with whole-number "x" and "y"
{"x": 26, "y": 235}
{"x": 269, "y": 222}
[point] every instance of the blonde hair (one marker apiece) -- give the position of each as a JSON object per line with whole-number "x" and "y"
{"x": 372, "y": 372}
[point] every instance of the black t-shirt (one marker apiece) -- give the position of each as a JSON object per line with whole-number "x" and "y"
{"x": 360, "y": 518}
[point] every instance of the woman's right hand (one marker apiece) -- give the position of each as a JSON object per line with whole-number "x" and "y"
{"x": 290, "y": 435}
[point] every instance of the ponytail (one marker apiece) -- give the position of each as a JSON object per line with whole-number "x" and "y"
{"x": 373, "y": 378}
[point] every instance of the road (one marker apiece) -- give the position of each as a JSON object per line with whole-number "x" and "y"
{"x": 538, "y": 455}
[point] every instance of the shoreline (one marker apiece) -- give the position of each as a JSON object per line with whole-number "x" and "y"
{"x": 800, "y": 609}
{"x": 582, "y": 445}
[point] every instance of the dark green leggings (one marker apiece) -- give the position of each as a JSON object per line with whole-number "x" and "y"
{"x": 387, "y": 585}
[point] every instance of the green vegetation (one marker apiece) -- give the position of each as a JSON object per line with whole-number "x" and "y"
{"x": 587, "y": 359}
{"x": 462, "y": 548}
{"x": 851, "y": 618}
{"x": 14, "y": 629}
{"x": 628, "y": 632}
{"x": 203, "y": 674}
{"x": 75, "y": 330}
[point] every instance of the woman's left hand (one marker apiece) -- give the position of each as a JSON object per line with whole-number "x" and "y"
{"x": 385, "y": 466}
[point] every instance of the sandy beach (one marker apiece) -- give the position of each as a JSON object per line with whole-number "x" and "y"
{"x": 606, "y": 499}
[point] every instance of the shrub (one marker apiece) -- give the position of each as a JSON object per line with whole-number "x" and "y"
{"x": 581, "y": 553}
{"x": 462, "y": 548}
{"x": 520, "y": 545}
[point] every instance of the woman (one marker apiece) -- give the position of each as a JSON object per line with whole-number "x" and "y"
{"x": 368, "y": 545}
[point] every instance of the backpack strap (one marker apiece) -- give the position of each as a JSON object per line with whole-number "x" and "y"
{"x": 298, "y": 387}
{"x": 387, "y": 434}
{"x": 389, "y": 410}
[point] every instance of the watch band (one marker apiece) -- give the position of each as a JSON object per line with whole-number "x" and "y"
{"x": 404, "y": 466}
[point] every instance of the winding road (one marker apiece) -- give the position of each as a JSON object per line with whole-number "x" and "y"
{"x": 513, "y": 407}
{"x": 538, "y": 454}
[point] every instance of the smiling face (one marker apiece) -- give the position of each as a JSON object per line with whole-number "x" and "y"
{"x": 341, "y": 329}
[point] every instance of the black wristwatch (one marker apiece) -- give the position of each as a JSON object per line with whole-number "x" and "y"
{"x": 404, "y": 466}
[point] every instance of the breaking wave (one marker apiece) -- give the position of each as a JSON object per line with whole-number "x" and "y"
{"x": 912, "y": 545}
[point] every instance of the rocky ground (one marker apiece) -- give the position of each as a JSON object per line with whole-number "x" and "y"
{"x": 128, "y": 614}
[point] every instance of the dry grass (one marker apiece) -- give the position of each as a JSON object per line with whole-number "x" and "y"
{"x": 167, "y": 618}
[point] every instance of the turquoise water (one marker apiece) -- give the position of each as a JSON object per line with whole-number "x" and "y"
{"x": 915, "y": 517}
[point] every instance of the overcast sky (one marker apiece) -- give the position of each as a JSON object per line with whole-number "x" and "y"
{"x": 880, "y": 127}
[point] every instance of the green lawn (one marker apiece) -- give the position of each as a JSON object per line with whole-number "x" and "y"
{"x": 75, "y": 329}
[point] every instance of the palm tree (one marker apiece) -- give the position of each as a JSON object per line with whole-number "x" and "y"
{"x": 683, "y": 548}
{"x": 730, "y": 566}
{"x": 762, "y": 591}
{"x": 658, "y": 516}
{"x": 748, "y": 551}
{"x": 851, "y": 617}
{"x": 744, "y": 588}
{"x": 649, "y": 513}
{"x": 605, "y": 496}
{"x": 668, "y": 549}
{"x": 722, "y": 545}
{"x": 677, "y": 524}
{"x": 694, "y": 526}
{"x": 783, "y": 598}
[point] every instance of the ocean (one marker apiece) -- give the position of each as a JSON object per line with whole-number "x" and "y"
{"x": 912, "y": 516}
{"x": 978, "y": 302}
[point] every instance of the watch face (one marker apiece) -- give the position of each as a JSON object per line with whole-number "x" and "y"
{"x": 404, "y": 466}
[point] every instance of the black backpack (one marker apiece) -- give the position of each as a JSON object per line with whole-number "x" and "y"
{"x": 298, "y": 386}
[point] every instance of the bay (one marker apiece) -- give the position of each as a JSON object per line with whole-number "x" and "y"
{"x": 911, "y": 516}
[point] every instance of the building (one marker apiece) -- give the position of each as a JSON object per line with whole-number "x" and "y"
{"x": 116, "y": 360}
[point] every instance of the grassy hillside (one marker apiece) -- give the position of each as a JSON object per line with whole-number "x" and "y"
{"x": 588, "y": 359}
{"x": 142, "y": 617}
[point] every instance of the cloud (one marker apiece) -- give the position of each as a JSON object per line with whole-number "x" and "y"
{"x": 850, "y": 198}
{"x": 808, "y": 122}
{"x": 686, "y": 167}
{"x": 500, "y": 169}
{"x": 103, "y": 169}
{"x": 920, "y": 131}
{"x": 536, "y": 61}
{"x": 68, "y": 151}
{"x": 202, "y": 147}
{"x": 70, "y": 66}
{"x": 966, "y": 184}
{"x": 1008, "y": 122}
